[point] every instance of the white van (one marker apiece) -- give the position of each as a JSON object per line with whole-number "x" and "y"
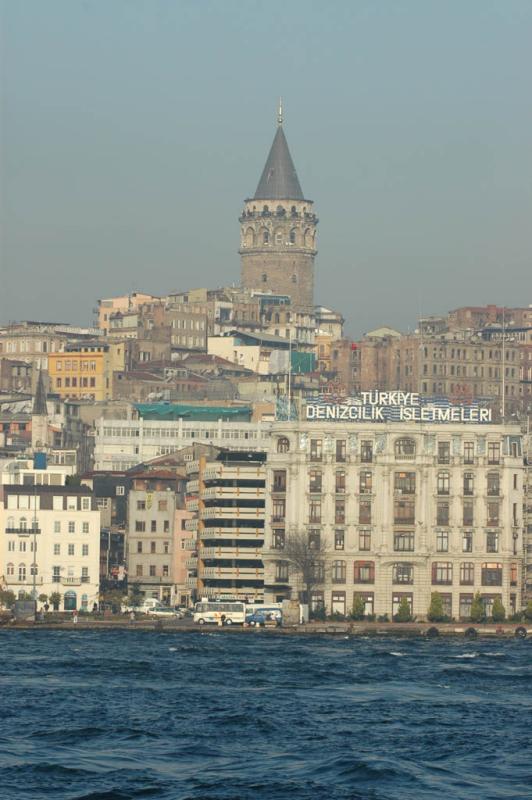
{"x": 147, "y": 605}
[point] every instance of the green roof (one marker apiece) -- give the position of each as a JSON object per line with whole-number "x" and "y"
{"x": 175, "y": 411}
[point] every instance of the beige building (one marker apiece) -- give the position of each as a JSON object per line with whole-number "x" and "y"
{"x": 150, "y": 533}
{"x": 50, "y": 540}
{"x": 402, "y": 509}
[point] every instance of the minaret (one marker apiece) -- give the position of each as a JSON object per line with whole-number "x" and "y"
{"x": 39, "y": 417}
{"x": 278, "y": 229}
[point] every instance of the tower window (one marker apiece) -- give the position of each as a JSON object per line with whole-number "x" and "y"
{"x": 279, "y": 237}
{"x": 294, "y": 278}
{"x": 266, "y": 237}
{"x": 292, "y": 236}
{"x": 264, "y": 278}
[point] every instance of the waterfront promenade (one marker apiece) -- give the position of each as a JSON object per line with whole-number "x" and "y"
{"x": 331, "y": 628}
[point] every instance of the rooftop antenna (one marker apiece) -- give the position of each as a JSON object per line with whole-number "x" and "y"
{"x": 280, "y": 112}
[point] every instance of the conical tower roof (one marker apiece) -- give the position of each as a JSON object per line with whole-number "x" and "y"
{"x": 279, "y": 179}
{"x": 39, "y": 401}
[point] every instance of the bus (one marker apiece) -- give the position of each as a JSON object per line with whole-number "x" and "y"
{"x": 210, "y": 612}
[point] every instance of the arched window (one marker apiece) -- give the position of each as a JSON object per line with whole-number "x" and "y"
{"x": 22, "y": 572}
{"x": 70, "y": 601}
{"x": 10, "y": 523}
{"x": 23, "y": 524}
{"x": 280, "y": 211}
{"x": 405, "y": 448}
{"x": 264, "y": 278}
{"x": 265, "y": 237}
{"x": 293, "y": 236}
{"x": 249, "y": 239}
{"x": 10, "y": 569}
{"x": 265, "y": 210}
{"x": 278, "y": 237}
{"x": 283, "y": 445}
{"x": 293, "y": 211}
{"x": 276, "y": 317}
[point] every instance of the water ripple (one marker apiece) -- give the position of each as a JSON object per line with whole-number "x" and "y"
{"x": 125, "y": 715}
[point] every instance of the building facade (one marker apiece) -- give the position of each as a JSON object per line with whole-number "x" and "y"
{"x": 122, "y": 443}
{"x": 397, "y": 510}
{"x": 150, "y": 534}
{"x": 227, "y": 495}
{"x": 51, "y": 542}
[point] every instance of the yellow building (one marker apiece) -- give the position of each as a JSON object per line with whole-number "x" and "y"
{"x": 85, "y": 372}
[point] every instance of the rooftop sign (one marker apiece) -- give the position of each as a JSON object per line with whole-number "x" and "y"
{"x": 396, "y": 406}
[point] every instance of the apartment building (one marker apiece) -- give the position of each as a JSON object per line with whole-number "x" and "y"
{"x": 397, "y": 510}
{"x": 227, "y": 494}
{"x": 150, "y": 533}
{"x": 32, "y": 342}
{"x": 85, "y": 372}
{"x": 51, "y": 543}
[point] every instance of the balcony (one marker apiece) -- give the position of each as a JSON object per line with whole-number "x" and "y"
{"x": 234, "y": 573}
{"x": 191, "y": 525}
{"x": 234, "y": 492}
{"x": 193, "y": 487}
{"x": 191, "y": 467}
{"x": 190, "y": 544}
{"x": 224, "y": 512}
{"x": 233, "y": 533}
{"x": 191, "y": 582}
{"x": 192, "y": 504}
{"x": 73, "y": 581}
{"x": 192, "y": 562}
{"x": 235, "y": 553}
{"x": 214, "y": 472}
{"x": 23, "y": 531}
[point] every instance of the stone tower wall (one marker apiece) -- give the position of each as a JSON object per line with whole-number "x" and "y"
{"x": 278, "y": 247}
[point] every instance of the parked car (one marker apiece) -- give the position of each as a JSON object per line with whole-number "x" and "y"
{"x": 164, "y": 612}
{"x": 260, "y": 617}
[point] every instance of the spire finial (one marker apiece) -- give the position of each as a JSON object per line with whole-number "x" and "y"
{"x": 280, "y": 112}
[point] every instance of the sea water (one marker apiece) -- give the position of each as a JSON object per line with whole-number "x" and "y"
{"x": 115, "y": 715}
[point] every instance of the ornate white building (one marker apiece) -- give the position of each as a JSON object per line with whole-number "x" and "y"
{"x": 403, "y": 509}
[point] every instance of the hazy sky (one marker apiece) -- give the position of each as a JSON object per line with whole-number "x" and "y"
{"x": 132, "y": 130}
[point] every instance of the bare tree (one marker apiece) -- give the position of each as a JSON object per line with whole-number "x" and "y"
{"x": 305, "y": 553}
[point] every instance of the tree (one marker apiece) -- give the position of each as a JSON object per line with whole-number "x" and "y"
{"x": 359, "y": 608}
{"x": 305, "y": 554}
{"x": 135, "y": 595}
{"x": 43, "y": 598}
{"x": 528, "y": 611}
{"x": 477, "y": 609}
{"x": 114, "y": 597}
{"x": 55, "y": 600}
{"x": 498, "y": 612}
{"x": 403, "y": 612}
{"x": 436, "y": 612}
{"x": 7, "y": 598}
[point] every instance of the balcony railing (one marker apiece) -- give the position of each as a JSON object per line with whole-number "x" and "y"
{"x": 23, "y": 531}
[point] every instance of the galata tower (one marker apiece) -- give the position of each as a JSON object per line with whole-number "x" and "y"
{"x": 278, "y": 230}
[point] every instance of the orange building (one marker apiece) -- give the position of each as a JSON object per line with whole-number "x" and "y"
{"x": 85, "y": 372}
